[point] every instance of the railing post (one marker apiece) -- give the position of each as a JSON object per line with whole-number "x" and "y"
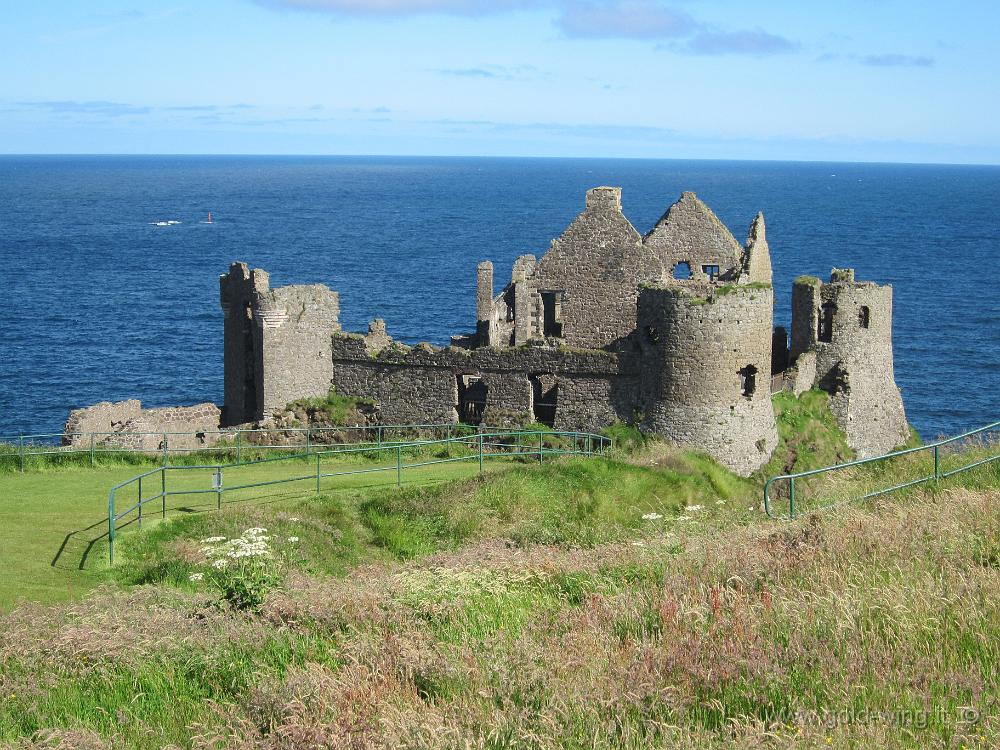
{"x": 239, "y": 446}
{"x": 308, "y": 439}
{"x": 480, "y": 453}
{"x": 937, "y": 464}
{"x": 140, "y": 502}
{"x": 166, "y": 450}
{"x": 317, "y": 472}
{"x": 163, "y": 490}
{"x": 540, "y": 444}
{"x": 111, "y": 528}
{"x": 20, "y": 452}
{"x": 91, "y": 450}
{"x": 379, "y": 437}
{"x": 218, "y": 488}
{"x": 399, "y": 465}
{"x": 791, "y": 498}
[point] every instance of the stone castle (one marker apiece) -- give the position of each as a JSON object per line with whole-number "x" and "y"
{"x": 672, "y": 331}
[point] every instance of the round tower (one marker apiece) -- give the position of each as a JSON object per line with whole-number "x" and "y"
{"x": 706, "y": 369}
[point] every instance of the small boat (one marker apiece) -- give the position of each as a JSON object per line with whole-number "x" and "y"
{"x": 209, "y": 221}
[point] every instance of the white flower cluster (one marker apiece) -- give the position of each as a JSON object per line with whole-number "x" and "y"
{"x": 694, "y": 508}
{"x": 293, "y": 539}
{"x": 651, "y": 516}
{"x": 253, "y": 543}
{"x": 196, "y": 576}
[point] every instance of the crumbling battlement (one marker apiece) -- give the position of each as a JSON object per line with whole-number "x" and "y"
{"x": 266, "y": 330}
{"x": 842, "y": 337}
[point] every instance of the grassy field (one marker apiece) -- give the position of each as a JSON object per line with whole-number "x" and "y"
{"x": 633, "y": 601}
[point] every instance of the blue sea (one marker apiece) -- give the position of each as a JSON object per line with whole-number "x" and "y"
{"x": 100, "y": 303}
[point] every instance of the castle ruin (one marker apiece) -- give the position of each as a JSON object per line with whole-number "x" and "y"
{"x": 672, "y": 331}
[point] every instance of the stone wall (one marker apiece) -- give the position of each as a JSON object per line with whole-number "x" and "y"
{"x": 126, "y": 425}
{"x": 420, "y": 384}
{"x": 699, "y": 342}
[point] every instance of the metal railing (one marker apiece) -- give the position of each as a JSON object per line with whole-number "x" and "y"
{"x": 21, "y": 448}
{"x": 480, "y": 447}
{"x": 935, "y": 476}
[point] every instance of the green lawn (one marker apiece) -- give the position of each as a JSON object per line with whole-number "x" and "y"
{"x": 54, "y": 522}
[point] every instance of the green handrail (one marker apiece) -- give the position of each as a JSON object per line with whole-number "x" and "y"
{"x": 479, "y": 443}
{"x": 936, "y": 476}
{"x": 92, "y": 444}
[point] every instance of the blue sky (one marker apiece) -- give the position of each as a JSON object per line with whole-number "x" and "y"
{"x": 856, "y": 80}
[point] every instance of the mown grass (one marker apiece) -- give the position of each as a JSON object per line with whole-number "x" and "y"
{"x": 635, "y": 601}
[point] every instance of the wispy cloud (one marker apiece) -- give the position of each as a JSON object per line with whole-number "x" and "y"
{"x": 881, "y": 61}
{"x": 755, "y": 43}
{"x": 504, "y": 72}
{"x": 576, "y": 19}
{"x": 208, "y": 107}
{"x": 629, "y": 19}
{"x": 403, "y": 7}
{"x": 897, "y": 61}
{"x": 467, "y": 72}
{"x": 98, "y": 108}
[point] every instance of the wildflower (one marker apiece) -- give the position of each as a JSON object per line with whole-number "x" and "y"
{"x": 694, "y": 508}
{"x": 683, "y": 518}
{"x": 220, "y": 563}
{"x": 293, "y": 519}
{"x": 255, "y": 531}
{"x": 651, "y": 516}
{"x": 196, "y": 576}
{"x": 638, "y": 544}
{"x": 213, "y": 540}
{"x": 293, "y": 539}
{"x": 720, "y": 502}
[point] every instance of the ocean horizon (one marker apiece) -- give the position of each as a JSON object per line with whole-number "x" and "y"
{"x": 108, "y": 300}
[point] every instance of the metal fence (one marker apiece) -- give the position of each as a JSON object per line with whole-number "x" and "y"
{"x": 936, "y": 475}
{"x": 478, "y": 447}
{"x": 20, "y": 449}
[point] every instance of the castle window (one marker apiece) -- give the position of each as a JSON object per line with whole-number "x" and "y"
{"x": 552, "y": 314}
{"x": 682, "y": 270}
{"x": 748, "y": 380}
{"x": 864, "y": 315}
{"x": 544, "y": 398}
{"x": 826, "y": 313}
{"x": 472, "y": 394}
{"x": 711, "y": 271}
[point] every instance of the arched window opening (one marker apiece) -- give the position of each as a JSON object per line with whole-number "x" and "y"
{"x": 682, "y": 270}
{"x": 864, "y": 316}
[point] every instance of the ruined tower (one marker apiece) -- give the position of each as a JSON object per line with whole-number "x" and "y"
{"x": 707, "y": 369}
{"x": 277, "y": 343}
{"x": 842, "y": 344}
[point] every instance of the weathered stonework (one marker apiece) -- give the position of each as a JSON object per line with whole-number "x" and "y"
{"x": 706, "y": 381}
{"x": 266, "y": 331}
{"x": 842, "y": 335}
{"x": 128, "y": 426}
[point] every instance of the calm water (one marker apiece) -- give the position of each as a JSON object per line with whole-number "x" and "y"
{"x": 100, "y": 304}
